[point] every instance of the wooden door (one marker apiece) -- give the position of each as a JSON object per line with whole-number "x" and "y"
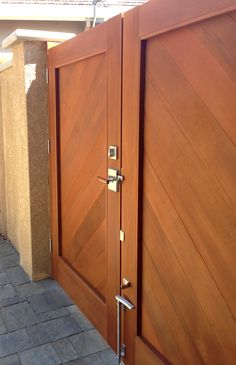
{"x": 179, "y": 193}
{"x": 85, "y": 118}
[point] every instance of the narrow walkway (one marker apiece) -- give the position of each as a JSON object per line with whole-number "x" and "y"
{"x": 39, "y": 325}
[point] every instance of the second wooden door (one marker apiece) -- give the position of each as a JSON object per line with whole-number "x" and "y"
{"x": 179, "y": 193}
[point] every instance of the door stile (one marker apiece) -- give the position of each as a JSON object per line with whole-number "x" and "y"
{"x": 114, "y": 199}
{"x": 130, "y": 169}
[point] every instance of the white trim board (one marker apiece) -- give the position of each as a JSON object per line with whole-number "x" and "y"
{"x": 34, "y": 35}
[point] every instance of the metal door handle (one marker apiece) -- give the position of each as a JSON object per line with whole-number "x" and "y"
{"x": 122, "y": 304}
{"x": 106, "y": 181}
{"x": 113, "y": 181}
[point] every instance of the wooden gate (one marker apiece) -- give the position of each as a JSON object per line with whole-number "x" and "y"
{"x": 178, "y": 198}
{"x": 179, "y": 193}
{"x": 85, "y": 108}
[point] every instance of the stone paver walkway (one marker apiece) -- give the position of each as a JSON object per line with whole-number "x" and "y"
{"x": 39, "y": 325}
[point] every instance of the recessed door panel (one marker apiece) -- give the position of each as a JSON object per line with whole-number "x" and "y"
{"x": 83, "y": 157}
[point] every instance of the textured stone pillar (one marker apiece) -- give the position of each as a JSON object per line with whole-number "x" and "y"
{"x": 35, "y": 87}
{"x": 25, "y": 134}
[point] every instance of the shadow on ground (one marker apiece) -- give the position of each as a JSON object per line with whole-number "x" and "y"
{"x": 39, "y": 325}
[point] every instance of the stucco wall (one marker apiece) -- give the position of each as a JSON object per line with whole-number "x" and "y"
{"x": 10, "y": 95}
{"x": 25, "y": 127}
{"x": 3, "y": 228}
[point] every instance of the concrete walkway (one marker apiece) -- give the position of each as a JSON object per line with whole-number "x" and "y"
{"x": 39, "y": 325}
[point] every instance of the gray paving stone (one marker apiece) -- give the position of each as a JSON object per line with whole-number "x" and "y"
{"x": 3, "y": 278}
{"x": 48, "y": 301}
{"x": 38, "y": 335}
{"x": 108, "y": 357}
{"x": 18, "y": 316}
{"x": 11, "y": 343}
{"x": 14, "y": 300}
{"x": 6, "y": 249}
{"x": 57, "y": 313}
{"x": 42, "y": 355}
{"x": 50, "y": 284}
{"x": 2, "y": 329}
{"x": 88, "y": 342}
{"x": 61, "y": 327}
{"x": 46, "y": 325}
{"x": 7, "y": 291}
{"x": 10, "y": 360}
{"x": 61, "y": 290}
{"x": 17, "y": 275}
{"x": 83, "y": 322}
{"x": 29, "y": 289}
{"x": 102, "y": 358}
{"x": 80, "y": 362}
{"x": 38, "y": 287}
{"x": 65, "y": 350}
{"x": 74, "y": 309}
{"x": 9, "y": 261}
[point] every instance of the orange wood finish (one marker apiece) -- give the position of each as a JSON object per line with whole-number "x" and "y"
{"x": 85, "y": 118}
{"x": 179, "y": 193}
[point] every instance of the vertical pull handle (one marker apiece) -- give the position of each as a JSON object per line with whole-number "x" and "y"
{"x": 122, "y": 304}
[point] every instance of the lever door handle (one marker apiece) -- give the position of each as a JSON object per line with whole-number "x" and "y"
{"x": 102, "y": 180}
{"x": 113, "y": 180}
{"x": 124, "y": 302}
{"x": 106, "y": 181}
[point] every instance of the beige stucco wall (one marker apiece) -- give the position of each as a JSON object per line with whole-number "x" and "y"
{"x": 3, "y": 227}
{"x": 25, "y": 125}
{"x": 10, "y": 155}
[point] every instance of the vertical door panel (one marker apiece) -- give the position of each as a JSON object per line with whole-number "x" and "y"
{"x": 83, "y": 153}
{"x": 178, "y": 198}
{"x": 85, "y": 107}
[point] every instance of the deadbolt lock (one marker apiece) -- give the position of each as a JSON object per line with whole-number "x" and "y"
{"x": 113, "y": 152}
{"x": 125, "y": 284}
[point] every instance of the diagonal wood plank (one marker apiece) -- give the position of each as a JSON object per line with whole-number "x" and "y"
{"x": 219, "y": 316}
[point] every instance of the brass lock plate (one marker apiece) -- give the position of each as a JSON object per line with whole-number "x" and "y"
{"x": 114, "y": 180}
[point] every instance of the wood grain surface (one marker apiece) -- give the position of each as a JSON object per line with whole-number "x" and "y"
{"x": 180, "y": 248}
{"x": 85, "y": 118}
